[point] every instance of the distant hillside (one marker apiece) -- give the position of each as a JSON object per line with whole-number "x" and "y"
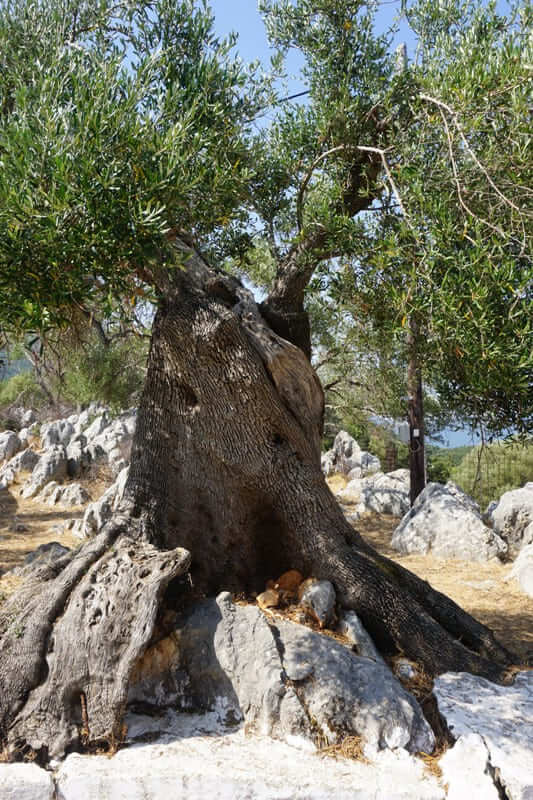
{"x": 486, "y": 474}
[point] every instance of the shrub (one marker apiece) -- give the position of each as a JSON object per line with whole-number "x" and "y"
{"x": 111, "y": 374}
{"x": 21, "y": 389}
{"x": 486, "y": 474}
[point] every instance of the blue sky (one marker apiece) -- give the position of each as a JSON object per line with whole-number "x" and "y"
{"x": 243, "y": 17}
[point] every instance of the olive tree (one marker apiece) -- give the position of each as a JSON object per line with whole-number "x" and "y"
{"x": 128, "y": 168}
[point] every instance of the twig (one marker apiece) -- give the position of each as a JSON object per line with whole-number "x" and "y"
{"x": 453, "y": 115}
{"x": 458, "y": 185}
{"x": 305, "y": 182}
{"x": 383, "y": 155}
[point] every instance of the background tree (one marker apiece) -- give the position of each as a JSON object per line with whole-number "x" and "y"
{"x": 128, "y": 166}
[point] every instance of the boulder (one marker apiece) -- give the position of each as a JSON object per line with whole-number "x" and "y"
{"x": 25, "y": 782}
{"x": 98, "y": 512}
{"x": 78, "y": 458}
{"x": 327, "y": 462}
{"x": 512, "y": 516}
{"x": 24, "y": 436}
{"x": 379, "y": 493}
{"x": 352, "y": 628}
{"x": 502, "y": 716}
{"x": 9, "y": 445}
{"x": 347, "y": 458}
{"x": 59, "y": 431}
{"x": 96, "y": 427}
{"x": 290, "y": 682}
{"x": 52, "y": 466}
{"x": 370, "y": 464}
{"x": 46, "y": 554}
{"x": 352, "y": 492}
{"x": 28, "y": 418}
{"x": 445, "y": 521}
{"x": 466, "y": 769}
{"x": 73, "y": 494}
{"x": 347, "y": 453}
{"x": 523, "y": 568}
{"x": 24, "y": 461}
{"x": 386, "y": 494}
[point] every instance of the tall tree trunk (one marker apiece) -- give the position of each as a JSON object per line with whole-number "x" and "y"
{"x": 415, "y": 413}
{"x": 225, "y": 484}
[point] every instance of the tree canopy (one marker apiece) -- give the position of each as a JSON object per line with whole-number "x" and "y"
{"x": 402, "y": 187}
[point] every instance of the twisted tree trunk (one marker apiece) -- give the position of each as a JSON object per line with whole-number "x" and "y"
{"x": 225, "y": 485}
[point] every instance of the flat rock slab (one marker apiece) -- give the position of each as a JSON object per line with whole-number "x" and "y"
{"x": 467, "y": 772}
{"x": 502, "y": 716}
{"x": 25, "y": 782}
{"x": 191, "y": 762}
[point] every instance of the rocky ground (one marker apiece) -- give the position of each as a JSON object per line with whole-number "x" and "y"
{"x": 172, "y": 753}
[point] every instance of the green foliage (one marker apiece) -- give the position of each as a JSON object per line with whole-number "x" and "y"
{"x": 441, "y": 461}
{"x": 454, "y": 253}
{"x": 21, "y": 389}
{"x": 486, "y": 472}
{"x": 110, "y": 374}
{"x": 120, "y": 126}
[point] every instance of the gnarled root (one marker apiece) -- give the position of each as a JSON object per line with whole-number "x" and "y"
{"x": 70, "y": 637}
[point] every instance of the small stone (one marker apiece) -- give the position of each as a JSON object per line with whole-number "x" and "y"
{"x": 268, "y": 599}
{"x": 290, "y": 581}
{"x": 352, "y": 628}
{"x": 403, "y": 669}
{"x": 318, "y": 599}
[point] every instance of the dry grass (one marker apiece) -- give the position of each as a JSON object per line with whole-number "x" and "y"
{"x": 351, "y": 747}
{"x": 38, "y": 519}
{"x": 337, "y": 482}
{"x": 479, "y": 588}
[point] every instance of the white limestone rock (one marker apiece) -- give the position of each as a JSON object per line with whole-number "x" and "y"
{"x": 195, "y": 759}
{"x": 352, "y": 492}
{"x": 445, "y": 521}
{"x": 10, "y": 444}
{"x": 73, "y": 494}
{"x": 523, "y": 567}
{"x": 52, "y": 466}
{"x": 97, "y": 426}
{"x": 25, "y": 782}
{"x": 347, "y": 453}
{"x": 387, "y": 494}
{"x": 351, "y": 626}
{"x": 467, "y": 771}
{"x": 24, "y": 461}
{"x": 46, "y": 553}
{"x": 318, "y": 599}
{"x": 370, "y": 464}
{"x": 501, "y": 715}
{"x": 59, "y": 431}
{"x": 238, "y": 661}
{"x": 98, "y": 512}
{"x": 512, "y": 518}
{"x": 327, "y": 462}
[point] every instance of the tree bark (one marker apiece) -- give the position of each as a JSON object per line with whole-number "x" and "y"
{"x": 225, "y": 485}
{"x": 415, "y": 413}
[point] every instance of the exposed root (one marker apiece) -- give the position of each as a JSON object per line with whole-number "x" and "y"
{"x": 67, "y": 653}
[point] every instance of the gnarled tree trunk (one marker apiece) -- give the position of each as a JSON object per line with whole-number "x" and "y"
{"x": 225, "y": 485}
